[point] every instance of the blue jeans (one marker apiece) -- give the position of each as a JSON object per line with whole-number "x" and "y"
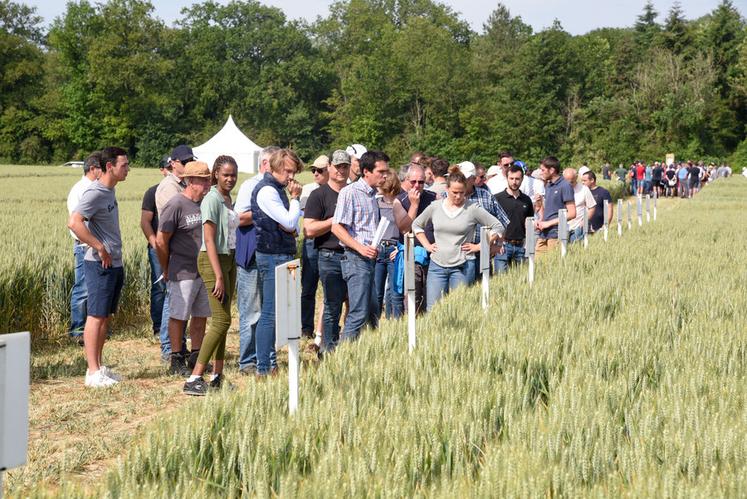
{"x": 79, "y": 294}
{"x": 157, "y": 290}
{"x": 309, "y": 283}
{"x": 512, "y": 255}
{"x": 265, "y": 332}
{"x": 576, "y": 234}
{"x": 386, "y": 295}
{"x": 335, "y": 291}
{"x": 441, "y": 280}
{"x": 164, "y": 332}
{"x": 358, "y": 273}
{"x": 249, "y": 302}
{"x": 472, "y": 269}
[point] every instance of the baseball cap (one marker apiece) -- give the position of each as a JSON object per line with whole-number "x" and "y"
{"x": 494, "y": 170}
{"x": 196, "y": 169}
{"x": 356, "y": 150}
{"x": 521, "y": 165}
{"x": 340, "y": 157}
{"x": 467, "y": 168}
{"x": 583, "y": 169}
{"x": 321, "y": 162}
{"x": 182, "y": 153}
{"x": 165, "y": 162}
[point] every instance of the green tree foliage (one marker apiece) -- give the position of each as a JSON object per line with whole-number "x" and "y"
{"x": 399, "y": 75}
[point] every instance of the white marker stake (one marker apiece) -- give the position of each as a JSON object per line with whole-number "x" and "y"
{"x": 639, "y": 210}
{"x": 648, "y": 208}
{"x": 410, "y": 288}
{"x": 619, "y": 218}
{"x": 288, "y": 322}
{"x": 586, "y": 228}
{"x": 563, "y": 232}
{"x": 656, "y": 196}
{"x": 485, "y": 265}
{"x": 606, "y": 215}
{"x": 15, "y": 354}
{"x": 630, "y": 215}
{"x": 529, "y": 246}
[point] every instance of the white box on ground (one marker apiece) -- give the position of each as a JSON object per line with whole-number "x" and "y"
{"x": 287, "y": 302}
{"x": 15, "y": 351}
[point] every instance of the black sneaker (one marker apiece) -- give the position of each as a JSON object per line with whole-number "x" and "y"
{"x": 216, "y": 382}
{"x": 197, "y": 387}
{"x": 177, "y": 365}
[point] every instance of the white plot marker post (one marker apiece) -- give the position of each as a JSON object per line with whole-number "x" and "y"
{"x": 639, "y": 210}
{"x": 619, "y": 218}
{"x": 606, "y": 215}
{"x": 530, "y": 242}
{"x": 288, "y": 322}
{"x": 485, "y": 265}
{"x": 656, "y": 196}
{"x": 563, "y": 232}
{"x": 410, "y": 288}
{"x": 586, "y": 228}
{"x": 630, "y": 215}
{"x": 648, "y": 208}
{"x": 15, "y": 353}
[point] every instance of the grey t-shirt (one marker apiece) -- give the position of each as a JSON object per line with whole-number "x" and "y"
{"x": 182, "y": 218}
{"x": 98, "y": 205}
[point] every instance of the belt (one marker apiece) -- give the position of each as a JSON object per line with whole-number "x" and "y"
{"x": 337, "y": 251}
{"x": 515, "y": 242}
{"x": 388, "y": 243}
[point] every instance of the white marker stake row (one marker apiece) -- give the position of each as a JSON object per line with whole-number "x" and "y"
{"x": 619, "y": 218}
{"x": 606, "y": 215}
{"x": 563, "y": 232}
{"x": 648, "y": 208}
{"x": 639, "y": 206}
{"x": 485, "y": 265}
{"x": 530, "y": 242}
{"x": 586, "y": 228}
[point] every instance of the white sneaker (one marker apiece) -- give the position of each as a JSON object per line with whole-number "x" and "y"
{"x": 318, "y": 340}
{"x": 111, "y": 374}
{"x": 99, "y": 380}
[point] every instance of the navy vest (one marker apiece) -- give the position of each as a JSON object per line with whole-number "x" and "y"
{"x": 271, "y": 238}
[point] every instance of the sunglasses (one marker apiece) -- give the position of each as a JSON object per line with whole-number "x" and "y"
{"x": 318, "y": 170}
{"x": 418, "y": 182}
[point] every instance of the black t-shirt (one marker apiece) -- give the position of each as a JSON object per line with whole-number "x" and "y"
{"x": 321, "y": 206}
{"x": 656, "y": 174}
{"x": 517, "y": 209}
{"x": 149, "y": 204}
{"x": 694, "y": 174}
{"x": 426, "y": 198}
{"x": 597, "y": 219}
{"x": 670, "y": 173}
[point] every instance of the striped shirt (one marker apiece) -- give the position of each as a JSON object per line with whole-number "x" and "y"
{"x": 358, "y": 210}
{"x": 485, "y": 200}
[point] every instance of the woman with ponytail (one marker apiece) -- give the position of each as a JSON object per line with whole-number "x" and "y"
{"x": 454, "y": 220}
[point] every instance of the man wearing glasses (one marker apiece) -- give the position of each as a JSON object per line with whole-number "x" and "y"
{"x": 79, "y": 295}
{"x": 406, "y": 208}
{"x": 172, "y": 185}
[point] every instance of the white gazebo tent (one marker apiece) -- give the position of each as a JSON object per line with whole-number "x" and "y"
{"x": 231, "y": 141}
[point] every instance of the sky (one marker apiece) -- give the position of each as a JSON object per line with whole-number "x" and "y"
{"x": 576, "y": 16}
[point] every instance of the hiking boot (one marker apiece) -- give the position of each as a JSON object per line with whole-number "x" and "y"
{"x": 197, "y": 387}
{"x": 178, "y": 366}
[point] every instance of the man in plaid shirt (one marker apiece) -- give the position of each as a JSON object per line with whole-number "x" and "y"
{"x": 354, "y": 224}
{"x": 485, "y": 200}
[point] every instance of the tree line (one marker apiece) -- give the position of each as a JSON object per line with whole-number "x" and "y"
{"x": 398, "y": 75}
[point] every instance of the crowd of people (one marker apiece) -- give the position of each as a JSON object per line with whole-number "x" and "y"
{"x": 206, "y": 248}
{"x": 683, "y": 179}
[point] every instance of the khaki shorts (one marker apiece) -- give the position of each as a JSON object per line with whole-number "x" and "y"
{"x": 545, "y": 246}
{"x": 188, "y": 298}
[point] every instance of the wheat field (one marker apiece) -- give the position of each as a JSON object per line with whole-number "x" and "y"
{"x": 620, "y": 373}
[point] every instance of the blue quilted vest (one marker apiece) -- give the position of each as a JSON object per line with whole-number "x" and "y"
{"x": 270, "y": 237}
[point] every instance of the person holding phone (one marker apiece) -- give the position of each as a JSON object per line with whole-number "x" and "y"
{"x": 217, "y": 268}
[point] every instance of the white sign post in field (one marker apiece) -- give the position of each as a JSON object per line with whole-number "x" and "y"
{"x": 15, "y": 351}
{"x": 529, "y": 246}
{"x": 485, "y": 265}
{"x": 656, "y": 196}
{"x": 288, "y": 322}
{"x": 410, "y": 288}
{"x": 619, "y": 218}
{"x": 606, "y": 215}
{"x": 586, "y": 228}
{"x": 639, "y": 209}
{"x": 648, "y": 208}
{"x": 563, "y": 232}
{"x": 630, "y": 215}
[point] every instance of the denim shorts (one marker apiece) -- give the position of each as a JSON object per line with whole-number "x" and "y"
{"x": 104, "y": 288}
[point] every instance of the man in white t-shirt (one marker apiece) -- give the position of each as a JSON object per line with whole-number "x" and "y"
{"x": 583, "y": 199}
{"x": 79, "y": 294}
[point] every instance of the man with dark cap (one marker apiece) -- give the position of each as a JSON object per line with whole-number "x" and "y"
{"x": 170, "y": 186}
{"x": 149, "y": 226}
